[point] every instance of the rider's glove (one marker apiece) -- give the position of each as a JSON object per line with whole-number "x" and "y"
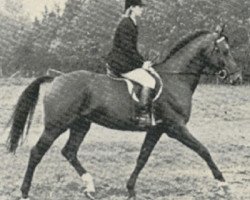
{"x": 147, "y": 65}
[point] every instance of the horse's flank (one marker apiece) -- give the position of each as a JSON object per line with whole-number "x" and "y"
{"x": 93, "y": 98}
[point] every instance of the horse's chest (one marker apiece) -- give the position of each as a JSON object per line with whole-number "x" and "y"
{"x": 174, "y": 105}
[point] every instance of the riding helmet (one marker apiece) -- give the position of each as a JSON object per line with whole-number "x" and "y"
{"x": 129, "y": 3}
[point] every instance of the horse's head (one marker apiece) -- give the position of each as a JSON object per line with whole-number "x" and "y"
{"x": 220, "y": 57}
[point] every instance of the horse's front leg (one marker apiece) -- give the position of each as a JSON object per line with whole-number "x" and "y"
{"x": 181, "y": 133}
{"x": 152, "y": 137}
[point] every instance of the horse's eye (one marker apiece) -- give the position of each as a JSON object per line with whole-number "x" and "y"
{"x": 216, "y": 49}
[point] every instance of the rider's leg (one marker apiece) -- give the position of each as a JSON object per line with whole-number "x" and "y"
{"x": 145, "y": 98}
{"x": 144, "y": 78}
{"x": 145, "y": 104}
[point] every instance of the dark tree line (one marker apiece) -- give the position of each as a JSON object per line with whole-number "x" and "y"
{"x": 13, "y": 21}
{"x": 82, "y": 35}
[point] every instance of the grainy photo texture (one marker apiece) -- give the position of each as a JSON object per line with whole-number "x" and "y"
{"x": 124, "y": 99}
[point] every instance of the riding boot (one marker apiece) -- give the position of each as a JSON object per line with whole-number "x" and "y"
{"x": 144, "y": 111}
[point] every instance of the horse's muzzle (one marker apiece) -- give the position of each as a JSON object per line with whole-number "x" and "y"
{"x": 238, "y": 80}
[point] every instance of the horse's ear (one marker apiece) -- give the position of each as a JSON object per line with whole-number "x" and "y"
{"x": 219, "y": 29}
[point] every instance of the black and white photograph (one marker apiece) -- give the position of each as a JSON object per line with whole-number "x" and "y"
{"x": 124, "y": 100}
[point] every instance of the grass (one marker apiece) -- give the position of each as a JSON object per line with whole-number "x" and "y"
{"x": 220, "y": 120}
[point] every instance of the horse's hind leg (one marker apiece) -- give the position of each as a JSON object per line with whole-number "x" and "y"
{"x": 78, "y": 130}
{"x": 36, "y": 154}
{"x": 181, "y": 133}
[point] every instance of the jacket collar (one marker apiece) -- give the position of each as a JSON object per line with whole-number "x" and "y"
{"x": 133, "y": 20}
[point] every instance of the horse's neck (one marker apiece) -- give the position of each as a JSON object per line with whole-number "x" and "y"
{"x": 184, "y": 68}
{"x": 181, "y": 75}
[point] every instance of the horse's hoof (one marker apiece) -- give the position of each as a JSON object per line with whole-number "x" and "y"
{"x": 132, "y": 195}
{"x": 89, "y": 195}
{"x": 223, "y": 184}
{"x": 218, "y": 176}
{"x": 223, "y": 189}
{"x": 88, "y": 183}
{"x": 131, "y": 198}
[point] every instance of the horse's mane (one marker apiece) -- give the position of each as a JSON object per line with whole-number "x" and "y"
{"x": 183, "y": 42}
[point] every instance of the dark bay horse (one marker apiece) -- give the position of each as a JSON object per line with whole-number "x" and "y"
{"x": 77, "y": 99}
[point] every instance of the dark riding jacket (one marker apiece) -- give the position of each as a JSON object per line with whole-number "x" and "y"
{"x": 124, "y": 56}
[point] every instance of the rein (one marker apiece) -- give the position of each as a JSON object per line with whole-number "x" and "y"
{"x": 190, "y": 73}
{"x": 232, "y": 73}
{"x": 202, "y": 73}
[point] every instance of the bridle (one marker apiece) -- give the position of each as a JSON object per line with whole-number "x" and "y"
{"x": 225, "y": 72}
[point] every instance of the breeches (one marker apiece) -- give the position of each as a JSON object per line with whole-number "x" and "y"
{"x": 141, "y": 76}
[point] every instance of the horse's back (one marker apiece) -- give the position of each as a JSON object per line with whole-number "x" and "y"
{"x": 66, "y": 93}
{"x": 69, "y": 92}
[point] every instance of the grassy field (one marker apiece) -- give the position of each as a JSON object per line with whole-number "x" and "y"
{"x": 220, "y": 120}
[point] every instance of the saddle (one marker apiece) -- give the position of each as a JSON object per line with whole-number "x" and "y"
{"x": 134, "y": 88}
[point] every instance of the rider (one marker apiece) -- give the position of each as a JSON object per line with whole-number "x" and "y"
{"x": 125, "y": 60}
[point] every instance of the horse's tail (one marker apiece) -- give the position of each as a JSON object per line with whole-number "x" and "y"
{"x": 24, "y": 111}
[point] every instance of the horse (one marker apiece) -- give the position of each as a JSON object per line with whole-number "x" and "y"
{"x": 77, "y": 99}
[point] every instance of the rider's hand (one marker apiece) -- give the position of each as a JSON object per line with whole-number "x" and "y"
{"x": 147, "y": 65}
